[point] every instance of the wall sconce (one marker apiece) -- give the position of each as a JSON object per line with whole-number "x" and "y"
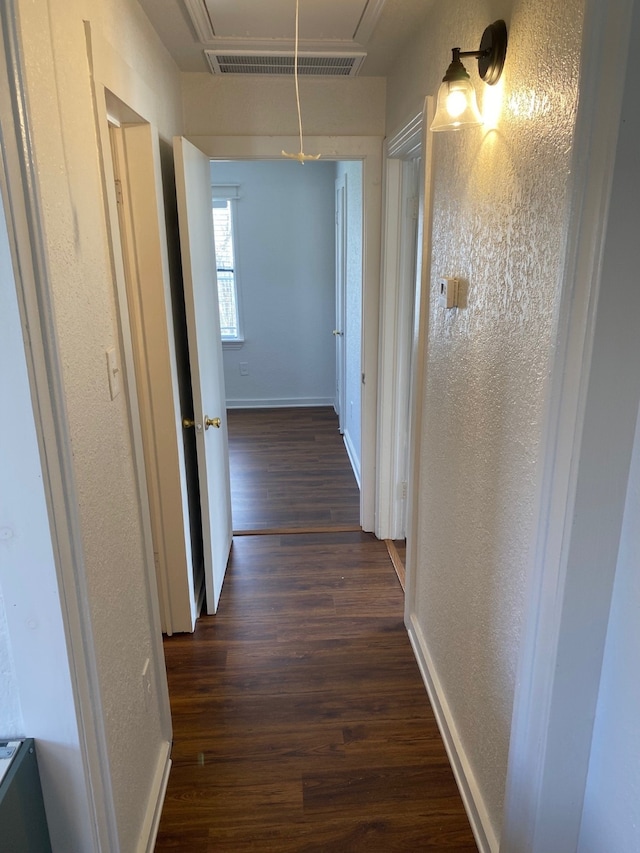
{"x": 457, "y": 106}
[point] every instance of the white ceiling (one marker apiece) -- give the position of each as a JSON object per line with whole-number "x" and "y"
{"x": 379, "y": 27}
{"x": 331, "y": 19}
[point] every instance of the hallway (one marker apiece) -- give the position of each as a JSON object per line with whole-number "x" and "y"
{"x": 301, "y": 722}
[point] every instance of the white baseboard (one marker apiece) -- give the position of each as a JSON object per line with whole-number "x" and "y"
{"x": 469, "y": 790}
{"x": 353, "y": 456}
{"x": 281, "y": 403}
{"x": 149, "y": 831}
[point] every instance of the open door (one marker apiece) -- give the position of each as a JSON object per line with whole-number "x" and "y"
{"x": 193, "y": 186}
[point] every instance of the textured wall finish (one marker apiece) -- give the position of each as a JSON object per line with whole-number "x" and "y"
{"x": 499, "y": 220}
{"x": 67, "y": 160}
{"x": 267, "y": 106}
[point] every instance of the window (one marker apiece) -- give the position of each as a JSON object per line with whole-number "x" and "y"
{"x": 226, "y": 268}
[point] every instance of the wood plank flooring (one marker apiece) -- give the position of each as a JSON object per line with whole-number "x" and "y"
{"x": 290, "y": 470}
{"x": 301, "y": 723}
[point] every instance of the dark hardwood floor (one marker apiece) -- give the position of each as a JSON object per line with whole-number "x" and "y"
{"x": 301, "y": 723}
{"x": 290, "y": 470}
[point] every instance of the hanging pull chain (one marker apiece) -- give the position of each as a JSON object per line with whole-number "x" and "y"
{"x": 301, "y": 156}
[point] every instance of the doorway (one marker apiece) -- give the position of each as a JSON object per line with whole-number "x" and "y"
{"x": 140, "y": 260}
{"x": 403, "y": 327}
{"x": 292, "y": 331}
{"x": 368, "y": 152}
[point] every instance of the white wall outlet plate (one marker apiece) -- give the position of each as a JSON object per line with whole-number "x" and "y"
{"x": 448, "y": 292}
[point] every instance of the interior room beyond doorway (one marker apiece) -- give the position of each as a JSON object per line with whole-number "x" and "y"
{"x": 295, "y": 344}
{"x": 290, "y": 472}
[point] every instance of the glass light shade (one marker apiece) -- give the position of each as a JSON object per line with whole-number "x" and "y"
{"x": 456, "y": 106}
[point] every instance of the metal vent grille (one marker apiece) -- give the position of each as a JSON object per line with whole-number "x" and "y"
{"x": 316, "y": 65}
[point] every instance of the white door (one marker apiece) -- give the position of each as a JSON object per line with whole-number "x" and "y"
{"x": 193, "y": 186}
{"x": 341, "y": 240}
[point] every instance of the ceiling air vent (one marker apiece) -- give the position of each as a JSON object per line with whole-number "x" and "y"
{"x": 282, "y": 64}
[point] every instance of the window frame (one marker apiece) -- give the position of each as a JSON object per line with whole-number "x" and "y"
{"x": 230, "y": 193}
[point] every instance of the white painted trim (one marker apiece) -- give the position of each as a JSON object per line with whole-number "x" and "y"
{"x": 353, "y": 457}
{"x": 407, "y": 142}
{"x": 141, "y": 269}
{"x": 46, "y": 383}
{"x": 557, "y": 648}
{"x": 151, "y": 822}
{"x": 387, "y": 404}
{"x": 125, "y": 268}
{"x": 469, "y": 789}
{"x": 369, "y": 150}
{"x": 419, "y": 358}
{"x": 370, "y": 18}
{"x": 394, "y": 383}
{"x": 340, "y": 189}
{"x": 200, "y": 19}
{"x": 281, "y": 403}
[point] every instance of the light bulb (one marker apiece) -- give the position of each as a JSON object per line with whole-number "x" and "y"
{"x": 456, "y": 103}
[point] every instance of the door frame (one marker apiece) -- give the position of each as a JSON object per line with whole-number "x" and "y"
{"x": 367, "y": 149}
{"x": 341, "y": 273}
{"x": 140, "y": 258}
{"x": 396, "y": 337}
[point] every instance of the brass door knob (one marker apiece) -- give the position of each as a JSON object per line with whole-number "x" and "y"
{"x": 214, "y": 422}
{"x": 187, "y": 422}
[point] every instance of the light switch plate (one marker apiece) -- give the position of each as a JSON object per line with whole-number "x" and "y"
{"x": 448, "y": 292}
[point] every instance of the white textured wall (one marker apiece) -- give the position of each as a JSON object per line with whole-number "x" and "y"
{"x": 352, "y": 421}
{"x": 499, "y": 220}
{"x": 255, "y": 106}
{"x": 285, "y": 267}
{"x": 64, "y": 134}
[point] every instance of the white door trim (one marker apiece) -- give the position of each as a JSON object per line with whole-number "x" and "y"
{"x": 140, "y": 258}
{"x": 341, "y": 289}
{"x": 420, "y": 340}
{"x": 565, "y": 626}
{"x": 368, "y": 149}
{"x": 394, "y": 384}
